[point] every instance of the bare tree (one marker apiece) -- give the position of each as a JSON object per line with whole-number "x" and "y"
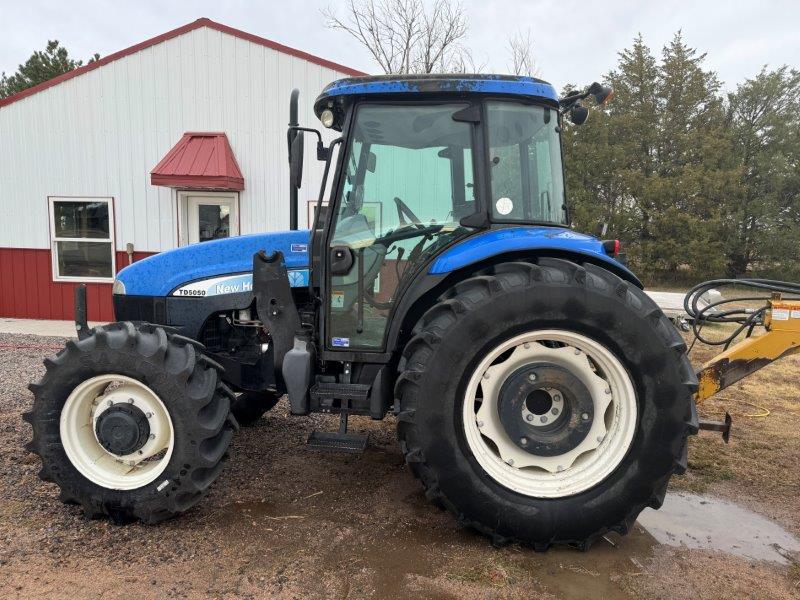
{"x": 403, "y": 36}
{"x": 520, "y": 47}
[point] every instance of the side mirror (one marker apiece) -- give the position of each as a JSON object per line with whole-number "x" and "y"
{"x": 601, "y": 94}
{"x": 296, "y": 151}
{"x": 578, "y": 114}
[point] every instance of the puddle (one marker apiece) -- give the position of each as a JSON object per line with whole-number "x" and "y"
{"x": 710, "y": 523}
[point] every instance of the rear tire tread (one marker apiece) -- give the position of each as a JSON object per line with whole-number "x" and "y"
{"x": 471, "y": 294}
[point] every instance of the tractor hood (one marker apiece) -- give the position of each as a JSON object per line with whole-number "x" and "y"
{"x": 162, "y": 274}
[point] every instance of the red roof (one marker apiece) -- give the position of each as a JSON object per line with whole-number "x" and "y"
{"x": 203, "y": 22}
{"x": 199, "y": 160}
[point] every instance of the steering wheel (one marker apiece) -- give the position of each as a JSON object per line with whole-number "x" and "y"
{"x": 404, "y": 211}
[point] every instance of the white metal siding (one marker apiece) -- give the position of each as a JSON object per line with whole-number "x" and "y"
{"x": 100, "y": 134}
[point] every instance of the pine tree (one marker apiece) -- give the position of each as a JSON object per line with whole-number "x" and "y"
{"x": 40, "y": 67}
{"x": 656, "y": 164}
{"x": 763, "y": 225}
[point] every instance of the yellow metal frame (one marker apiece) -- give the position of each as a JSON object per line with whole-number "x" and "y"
{"x": 782, "y": 321}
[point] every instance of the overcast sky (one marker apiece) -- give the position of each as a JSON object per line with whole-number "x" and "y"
{"x": 575, "y": 41}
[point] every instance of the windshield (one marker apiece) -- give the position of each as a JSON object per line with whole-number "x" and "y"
{"x": 525, "y": 163}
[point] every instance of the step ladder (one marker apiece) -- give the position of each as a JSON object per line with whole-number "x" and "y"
{"x": 344, "y": 398}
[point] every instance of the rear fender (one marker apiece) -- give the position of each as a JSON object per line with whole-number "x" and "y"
{"x": 542, "y": 241}
{"x": 456, "y": 264}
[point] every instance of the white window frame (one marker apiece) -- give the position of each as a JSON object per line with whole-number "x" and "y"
{"x": 51, "y": 200}
{"x": 183, "y": 211}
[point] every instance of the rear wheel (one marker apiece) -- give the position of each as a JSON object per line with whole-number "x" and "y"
{"x": 131, "y": 422}
{"x": 571, "y": 412}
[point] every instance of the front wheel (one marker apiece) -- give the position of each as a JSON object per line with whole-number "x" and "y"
{"x": 131, "y": 422}
{"x": 572, "y": 408}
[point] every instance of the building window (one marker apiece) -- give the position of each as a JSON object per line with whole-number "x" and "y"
{"x": 204, "y": 216}
{"x": 82, "y": 239}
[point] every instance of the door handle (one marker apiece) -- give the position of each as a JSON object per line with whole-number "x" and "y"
{"x": 341, "y": 260}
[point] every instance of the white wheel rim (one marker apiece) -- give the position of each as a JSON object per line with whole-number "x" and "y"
{"x": 77, "y": 427}
{"x": 594, "y": 458}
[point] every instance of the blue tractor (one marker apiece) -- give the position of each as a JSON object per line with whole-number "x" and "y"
{"x": 540, "y": 396}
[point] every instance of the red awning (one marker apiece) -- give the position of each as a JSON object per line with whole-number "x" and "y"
{"x": 199, "y": 160}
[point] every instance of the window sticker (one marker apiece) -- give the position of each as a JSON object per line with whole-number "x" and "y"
{"x": 504, "y": 206}
{"x": 337, "y": 299}
{"x": 299, "y": 247}
{"x": 339, "y": 342}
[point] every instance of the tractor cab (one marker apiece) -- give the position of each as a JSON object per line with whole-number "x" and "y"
{"x": 423, "y": 163}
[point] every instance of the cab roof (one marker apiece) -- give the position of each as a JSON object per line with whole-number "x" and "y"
{"x": 340, "y": 92}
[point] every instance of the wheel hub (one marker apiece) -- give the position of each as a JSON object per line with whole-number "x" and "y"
{"x": 545, "y": 409}
{"x": 116, "y": 432}
{"x": 564, "y": 370}
{"x": 122, "y": 429}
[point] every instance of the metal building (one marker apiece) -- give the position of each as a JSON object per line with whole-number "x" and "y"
{"x": 176, "y": 140}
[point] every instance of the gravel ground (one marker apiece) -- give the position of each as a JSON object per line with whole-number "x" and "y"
{"x": 285, "y": 521}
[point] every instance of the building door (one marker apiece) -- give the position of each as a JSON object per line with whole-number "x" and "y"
{"x": 208, "y": 216}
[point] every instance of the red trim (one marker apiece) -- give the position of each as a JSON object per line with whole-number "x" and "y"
{"x": 195, "y": 182}
{"x": 27, "y": 289}
{"x": 203, "y": 22}
{"x": 199, "y": 160}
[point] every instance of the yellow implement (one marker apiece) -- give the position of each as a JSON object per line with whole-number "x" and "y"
{"x": 782, "y": 321}
{"x": 782, "y": 338}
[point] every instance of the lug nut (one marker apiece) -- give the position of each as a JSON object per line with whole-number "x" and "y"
{"x": 543, "y": 419}
{"x": 532, "y": 376}
{"x": 510, "y": 462}
{"x": 585, "y": 416}
{"x": 149, "y": 415}
{"x": 523, "y": 441}
{"x": 480, "y": 423}
{"x": 577, "y": 352}
{"x": 152, "y": 436}
{"x": 559, "y": 468}
{"x": 608, "y": 390}
{"x": 600, "y": 438}
{"x": 529, "y": 418}
{"x": 554, "y": 411}
{"x": 130, "y": 400}
{"x": 526, "y": 345}
{"x": 486, "y": 375}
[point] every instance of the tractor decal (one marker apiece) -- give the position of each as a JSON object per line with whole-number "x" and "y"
{"x": 233, "y": 284}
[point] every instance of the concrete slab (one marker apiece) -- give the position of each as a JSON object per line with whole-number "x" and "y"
{"x": 40, "y": 327}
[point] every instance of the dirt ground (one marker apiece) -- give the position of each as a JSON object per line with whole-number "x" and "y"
{"x": 286, "y": 521}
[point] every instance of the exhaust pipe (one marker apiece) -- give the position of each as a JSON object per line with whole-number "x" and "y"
{"x": 293, "y": 122}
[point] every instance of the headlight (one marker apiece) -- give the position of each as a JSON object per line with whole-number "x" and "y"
{"x": 118, "y": 287}
{"x": 327, "y": 118}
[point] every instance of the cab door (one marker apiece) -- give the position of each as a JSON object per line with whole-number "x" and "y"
{"x": 408, "y": 182}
